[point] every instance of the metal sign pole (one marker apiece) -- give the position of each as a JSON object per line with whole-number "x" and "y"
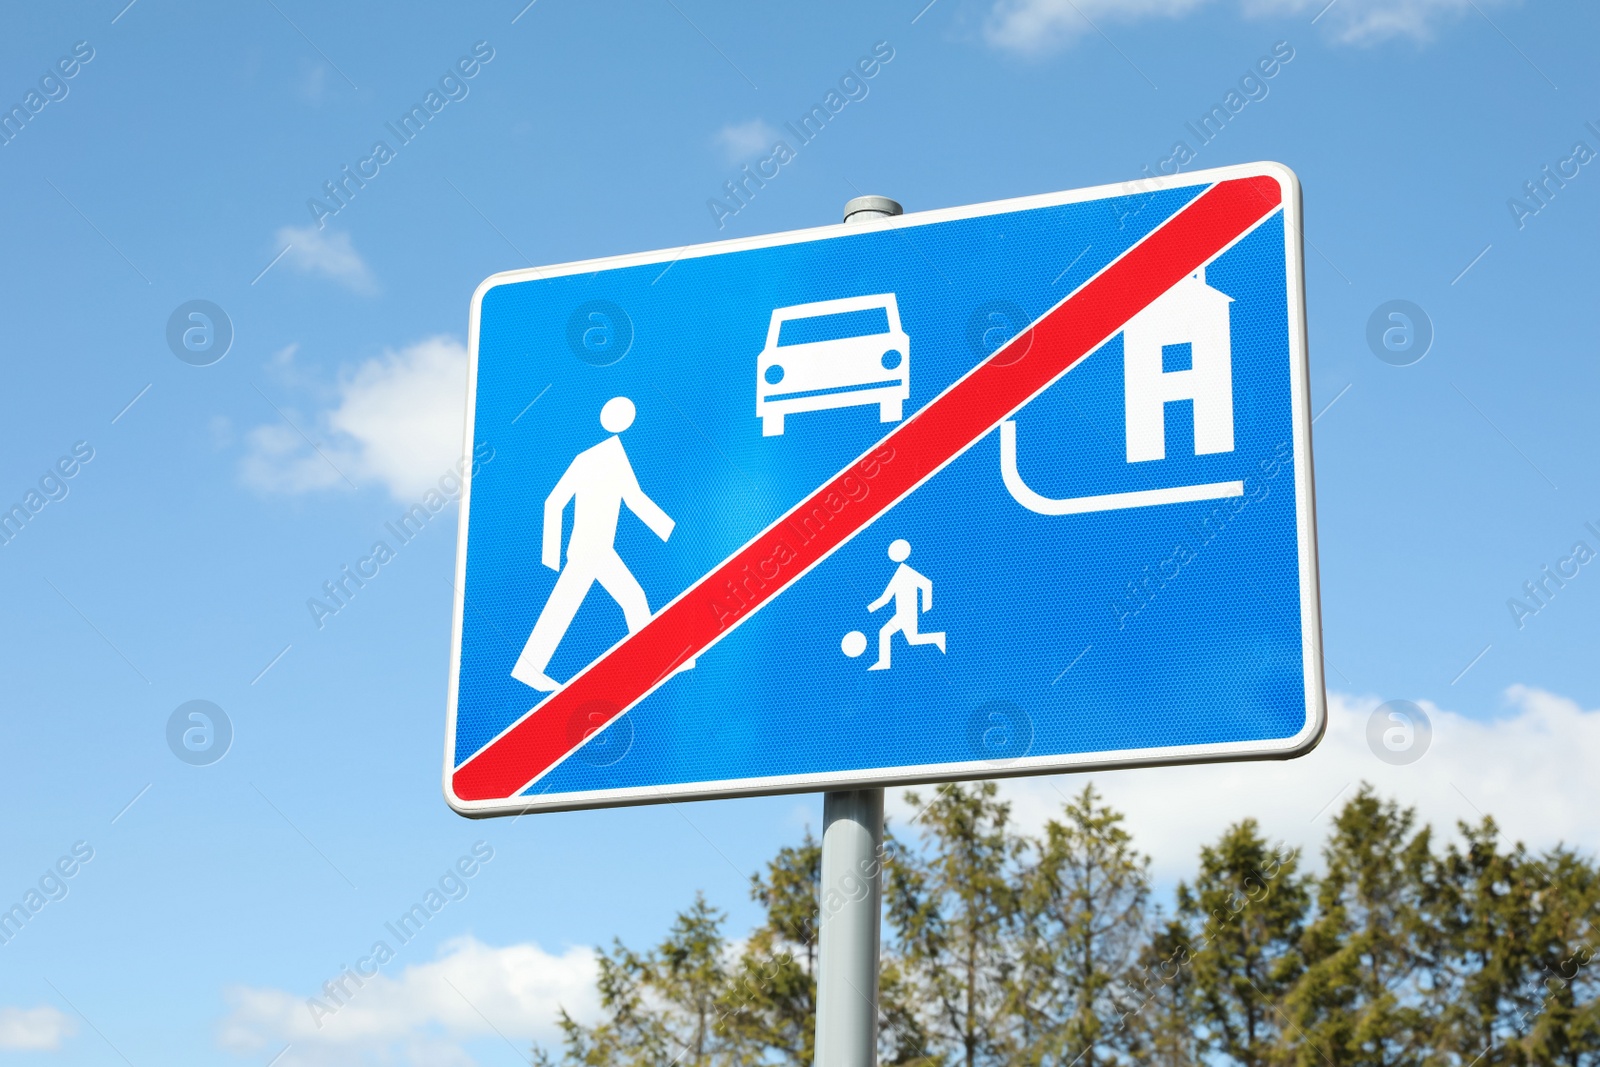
{"x": 852, "y": 881}
{"x": 847, "y": 945}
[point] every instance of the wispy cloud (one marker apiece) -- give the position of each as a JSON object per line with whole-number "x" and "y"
{"x": 1368, "y": 22}
{"x": 423, "y": 1013}
{"x": 312, "y": 84}
{"x": 40, "y": 1029}
{"x": 398, "y": 420}
{"x": 741, "y": 140}
{"x": 1034, "y": 27}
{"x": 327, "y": 254}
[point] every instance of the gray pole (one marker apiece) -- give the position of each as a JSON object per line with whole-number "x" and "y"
{"x": 852, "y": 881}
{"x": 847, "y": 948}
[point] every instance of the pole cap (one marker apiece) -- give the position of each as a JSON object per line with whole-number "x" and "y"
{"x": 866, "y": 208}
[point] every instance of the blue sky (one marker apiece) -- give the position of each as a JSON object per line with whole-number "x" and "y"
{"x": 175, "y": 164}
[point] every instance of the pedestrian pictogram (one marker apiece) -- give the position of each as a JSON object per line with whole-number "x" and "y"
{"x": 598, "y": 483}
{"x": 1134, "y": 584}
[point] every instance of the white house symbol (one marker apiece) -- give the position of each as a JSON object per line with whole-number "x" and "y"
{"x": 1194, "y": 314}
{"x": 1190, "y": 315}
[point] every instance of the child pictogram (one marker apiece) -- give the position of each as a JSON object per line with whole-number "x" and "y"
{"x": 912, "y": 594}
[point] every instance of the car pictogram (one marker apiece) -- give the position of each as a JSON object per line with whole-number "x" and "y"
{"x": 833, "y": 354}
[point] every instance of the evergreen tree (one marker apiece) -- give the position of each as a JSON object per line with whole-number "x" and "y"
{"x": 1511, "y": 932}
{"x": 1083, "y": 906}
{"x": 664, "y": 1007}
{"x": 952, "y": 908}
{"x": 1565, "y": 1025}
{"x": 772, "y": 1002}
{"x": 903, "y": 1039}
{"x": 1165, "y": 1020}
{"x": 1361, "y": 1000}
{"x": 1028, "y": 952}
{"x": 688, "y": 971}
{"x": 1245, "y": 913}
{"x": 1482, "y": 989}
{"x": 629, "y": 1035}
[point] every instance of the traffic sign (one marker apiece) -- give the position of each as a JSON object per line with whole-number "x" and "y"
{"x": 994, "y": 490}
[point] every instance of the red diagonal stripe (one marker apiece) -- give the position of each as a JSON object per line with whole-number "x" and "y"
{"x": 942, "y": 430}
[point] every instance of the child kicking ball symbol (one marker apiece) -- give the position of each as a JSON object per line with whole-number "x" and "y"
{"x": 906, "y": 588}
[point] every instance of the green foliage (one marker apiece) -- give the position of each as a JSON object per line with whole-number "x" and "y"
{"x": 1082, "y": 920}
{"x": 689, "y": 1002}
{"x": 773, "y": 1002}
{"x": 662, "y": 1007}
{"x": 952, "y": 907}
{"x": 1361, "y": 999}
{"x": 1512, "y": 935}
{"x": 1165, "y": 1017}
{"x": 1004, "y": 948}
{"x": 1244, "y": 910}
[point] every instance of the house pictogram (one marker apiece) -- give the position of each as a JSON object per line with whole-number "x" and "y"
{"x": 1186, "y": 330}
{"x": 1178, "y": 348}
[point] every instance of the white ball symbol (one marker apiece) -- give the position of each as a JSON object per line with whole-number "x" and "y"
{"x": 854, "y": 643}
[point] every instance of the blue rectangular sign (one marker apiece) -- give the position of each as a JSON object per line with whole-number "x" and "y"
{"x": 1005, "y": 489}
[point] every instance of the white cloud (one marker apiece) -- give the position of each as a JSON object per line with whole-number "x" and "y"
{"x": 327, "y": 254}
{"x": 284, "y": 370}
{"x": 741, "y": 140}
{"x": 35, "y": 1029}
{"x": 313, "y": 82}
{"x": 398, "y": 420}
{"x": 1365, "y": 22}
{"x": 277, "y": 460}
{"x": 407, "y": 410}
{"x": 422, "y": 1015}
{"x": 1506, "y": 767}
{"x": 1034, "y": 27}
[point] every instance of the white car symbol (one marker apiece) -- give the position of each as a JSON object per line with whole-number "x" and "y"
{"x": 833, "y": 354}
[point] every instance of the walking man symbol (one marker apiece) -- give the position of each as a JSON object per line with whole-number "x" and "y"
{"x": 904, "y": 589}
{"x": 598, "y": 481}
